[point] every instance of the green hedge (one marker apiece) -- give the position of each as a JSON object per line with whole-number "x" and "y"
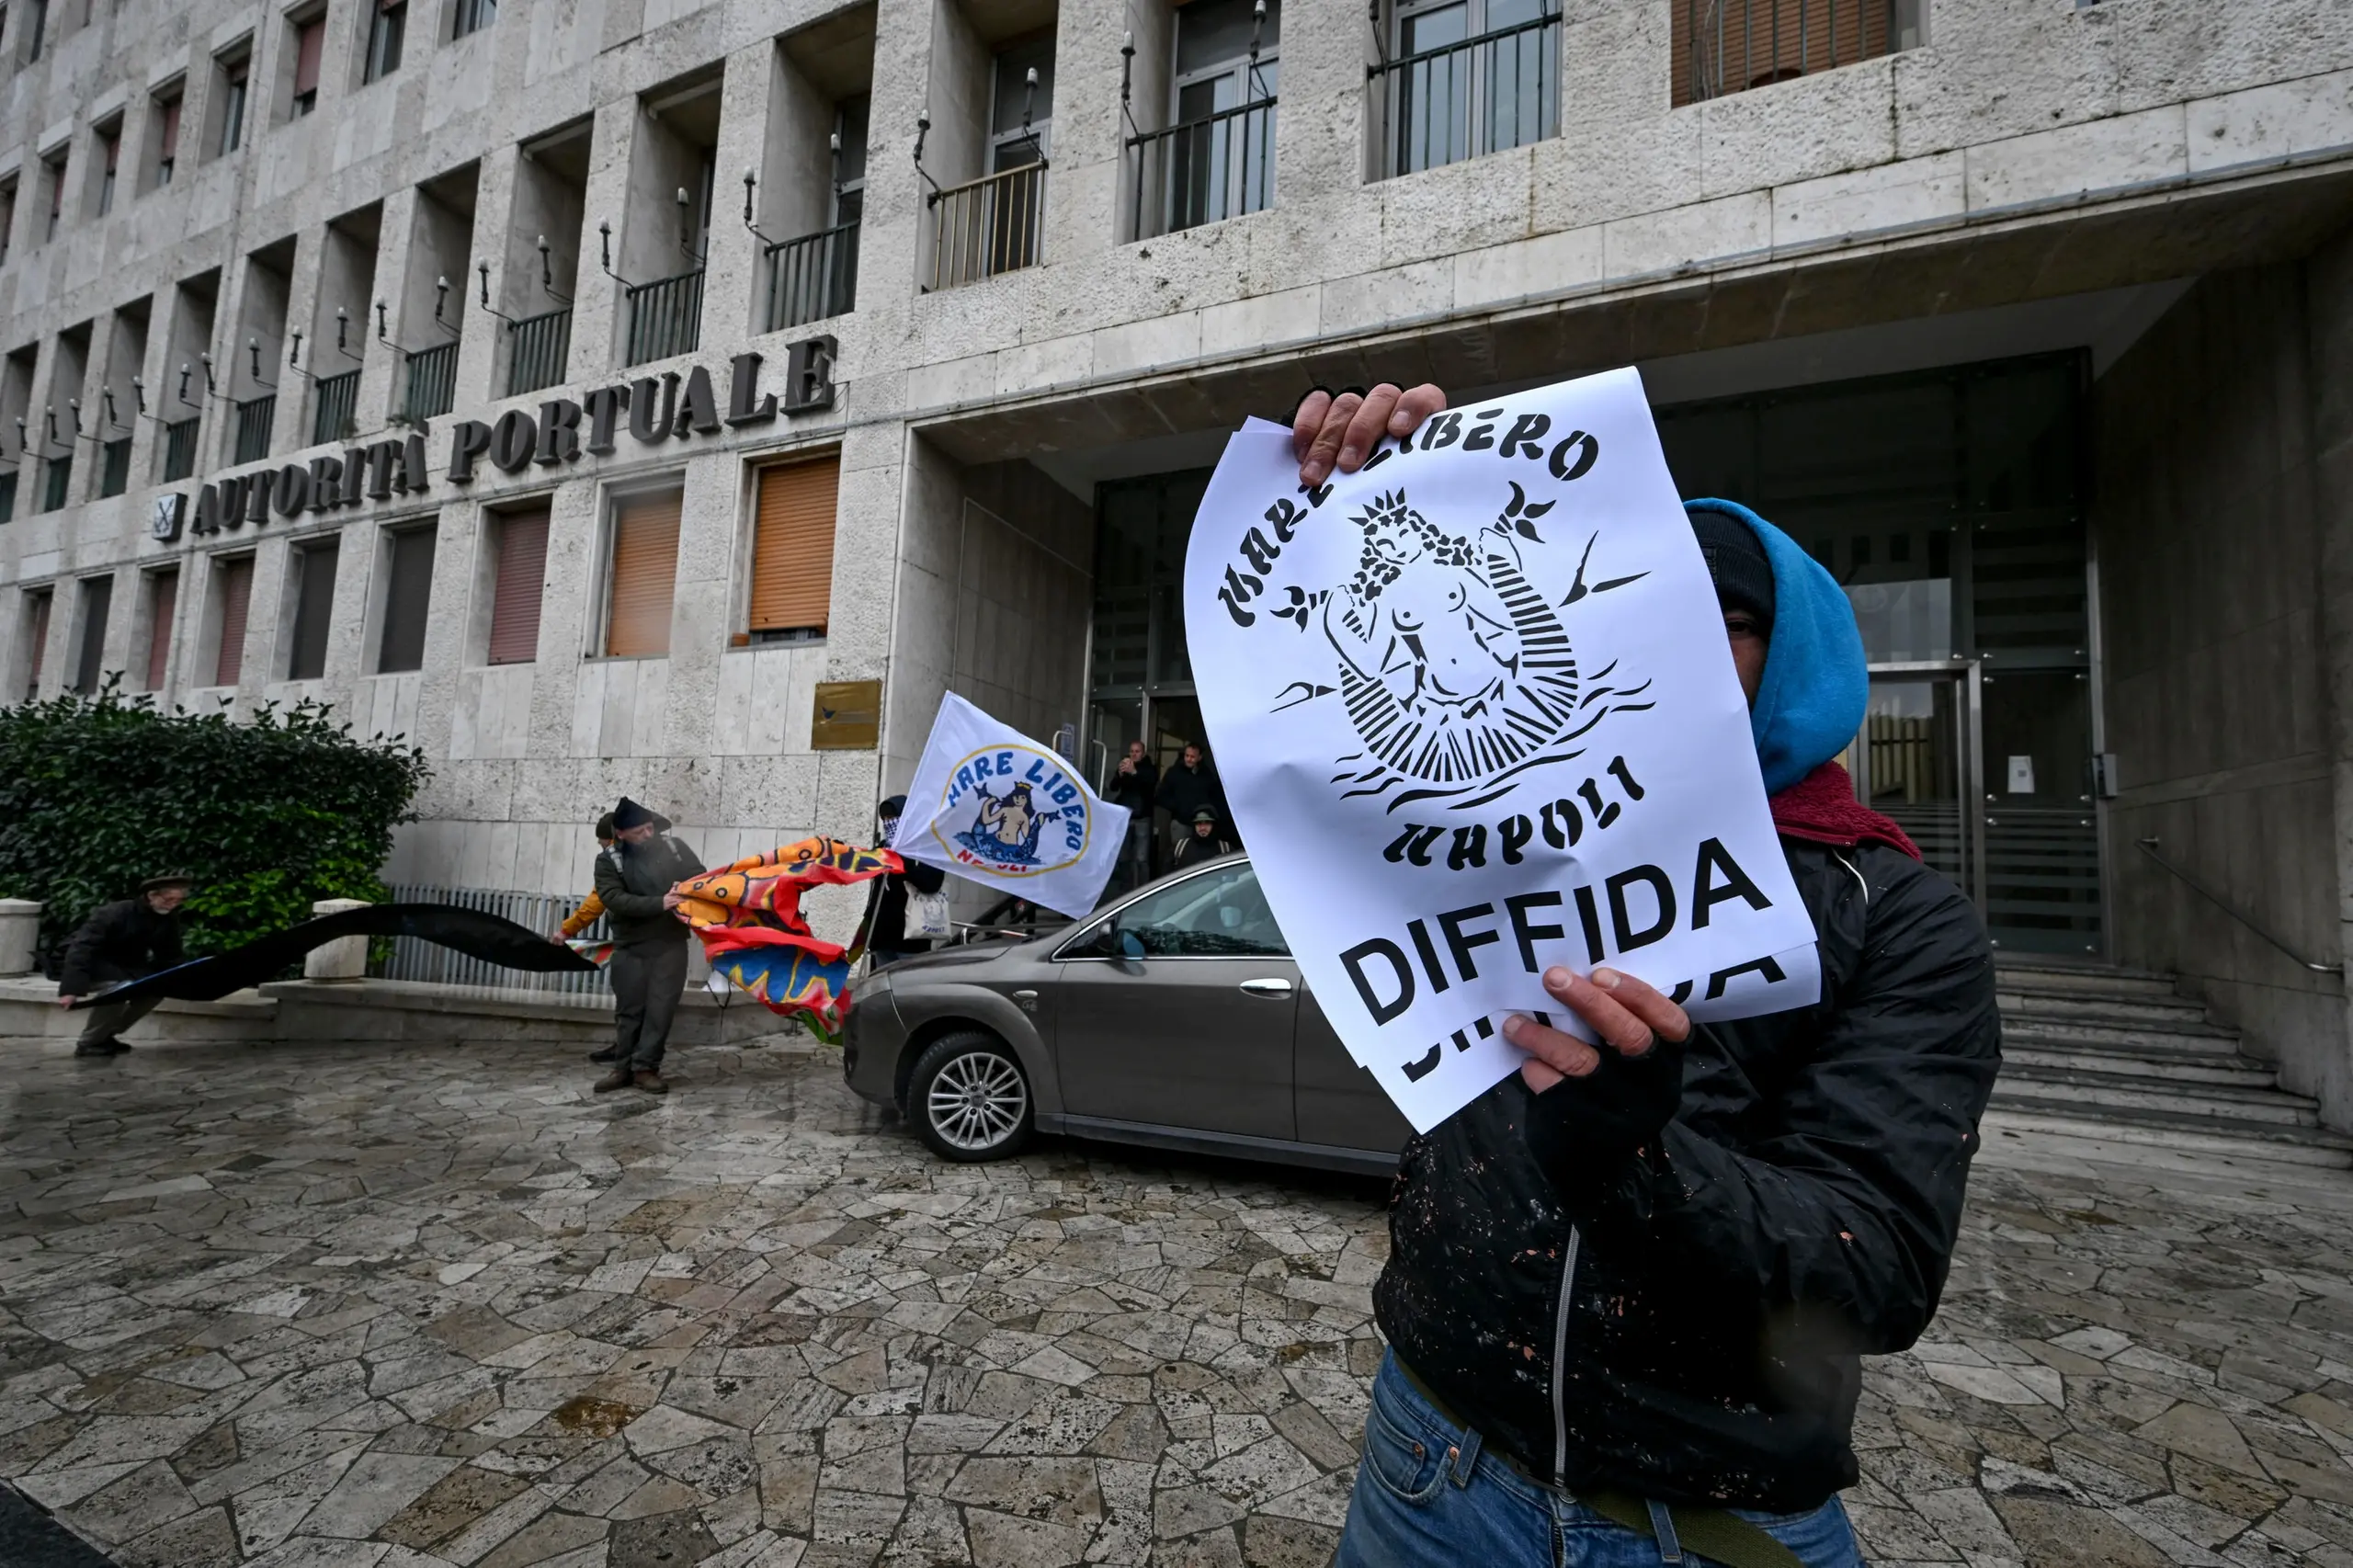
{"x": 268, "y": 815}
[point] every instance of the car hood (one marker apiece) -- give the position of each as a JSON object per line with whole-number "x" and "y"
{"x": 963, "y": 956}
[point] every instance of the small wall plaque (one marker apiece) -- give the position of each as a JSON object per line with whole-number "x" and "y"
{"x": 848, "y": 716}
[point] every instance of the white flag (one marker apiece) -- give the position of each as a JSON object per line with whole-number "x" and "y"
{"x": 990, "y": 803}
{"x": 1476, "y": 716}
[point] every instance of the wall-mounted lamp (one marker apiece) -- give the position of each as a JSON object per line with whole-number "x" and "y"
{"x": 483, "y": 268}
{"x": 342, "y": 327}
{"x": 686, "y": 225}
{"x": 441, "y": 303}
{"x": 751, "y": 184}
{"x": 604, "y": 242}
{"x": 547, "y": 275}
{"x": 923, "y": 130}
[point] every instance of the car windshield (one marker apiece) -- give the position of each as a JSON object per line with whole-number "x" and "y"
{"x": 1220, "y": 914}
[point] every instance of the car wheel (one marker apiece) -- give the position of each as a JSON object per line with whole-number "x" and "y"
{"x": 970, "y": 1099}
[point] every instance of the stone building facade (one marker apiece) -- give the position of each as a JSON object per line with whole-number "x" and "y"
{"x": 2033, "y": 318}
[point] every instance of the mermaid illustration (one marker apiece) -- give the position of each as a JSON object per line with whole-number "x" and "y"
{"x": 1007, "y": 827}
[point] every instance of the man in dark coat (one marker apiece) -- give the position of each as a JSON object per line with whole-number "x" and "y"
{"x": 1186, "y": 789}
{"x": 121, "y": 942}
{"x": 1132, "y": 784}
{"x": 649, "y": 966}
{"x": 886, "y": 931}
{"x": 1629, "y": 1287}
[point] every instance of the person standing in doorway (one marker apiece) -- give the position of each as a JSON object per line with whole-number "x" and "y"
{"x": 1187, "y": 788}
{"x": 886, "y": 931}
{"x": 1132, "y": 785}
{"x": 122, "y": 942}
{"x": 634, "y": 879}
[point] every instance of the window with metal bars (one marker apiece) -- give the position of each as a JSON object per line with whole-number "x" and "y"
{"x": 1463, "y": 78}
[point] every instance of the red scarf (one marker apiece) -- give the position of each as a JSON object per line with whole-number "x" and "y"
{"x": 1821, "y": 808}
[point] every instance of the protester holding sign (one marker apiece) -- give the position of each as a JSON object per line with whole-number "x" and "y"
{"x": 1629, "y": 1284}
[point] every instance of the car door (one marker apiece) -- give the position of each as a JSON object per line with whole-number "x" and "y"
{"x": 1339, "y": 1103}
{"x": 1178, "y": 1009}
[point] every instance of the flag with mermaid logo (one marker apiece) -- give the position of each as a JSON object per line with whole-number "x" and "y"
{"x": 992, "y": 804}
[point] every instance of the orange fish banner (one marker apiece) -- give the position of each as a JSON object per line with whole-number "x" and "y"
{"x": 749, "y": 920}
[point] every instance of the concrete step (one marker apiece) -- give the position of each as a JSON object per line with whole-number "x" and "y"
{"x": 2108, "y": 1091}
{"x": 2168, "y": 1010}
{"x": 2083, "y": 980}
{"x": 2187, "y": 1040}
{"x": 2123, "y": 1061}
{"x": 2295, "y": 1146}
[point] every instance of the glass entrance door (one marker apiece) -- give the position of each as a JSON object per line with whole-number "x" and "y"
{"x": 1917, "y": 760}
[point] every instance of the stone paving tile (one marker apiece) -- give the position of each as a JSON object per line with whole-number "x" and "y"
{"x": 321, "y": 1308}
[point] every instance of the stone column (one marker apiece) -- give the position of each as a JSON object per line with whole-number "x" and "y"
{"x": 345, "y": 958}
{"x": 2329, "y": 292}
{"x": 19, "y": 927}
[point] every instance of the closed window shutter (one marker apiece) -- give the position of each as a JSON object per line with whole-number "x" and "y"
{"x": 645, "y": 572}
{"x": 236, "y": 593}
{"x": 310, "y": 43}
{"x": 171, "y": 142}
{"x": 159, "y": 628}
{"x": 792, "y": 546}
{"x": 408, "y": 595}
{"x": 514, "y": 598}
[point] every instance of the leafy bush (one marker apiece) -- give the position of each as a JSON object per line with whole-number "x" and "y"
{"x": 96, "y": 793}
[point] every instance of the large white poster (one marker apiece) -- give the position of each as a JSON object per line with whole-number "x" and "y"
{"x": 1476, "y": 716}
{"x": 990, "y": 803}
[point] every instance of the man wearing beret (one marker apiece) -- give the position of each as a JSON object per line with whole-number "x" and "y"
{"x": 1628, "y": 1288}
{"x": 634, "y": 877}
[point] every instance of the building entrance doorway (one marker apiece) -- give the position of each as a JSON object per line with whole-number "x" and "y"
{"x": 1918, "y": 760}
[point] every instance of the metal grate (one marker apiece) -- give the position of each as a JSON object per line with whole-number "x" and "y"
{"x": 814, "y": 277}
{"x": 410, "y": 959}
{"x": 1464, "y": 100}
{"x": 432, "y": 381}
{"x": 255, "y": 416}
{"x": 331, "y": 417}
{"x": 180, "y": 450}
{"x": 1220, "y": 166}
{"x": 664, "y": 317}
{"x": 543, "y": 345}
{"x": 114, "y": 466}
{"x": 1730, "y": 46}
{"x": 987, "y": 226}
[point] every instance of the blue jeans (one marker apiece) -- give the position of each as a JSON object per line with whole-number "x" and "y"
{"x": 1425, "y": 1497}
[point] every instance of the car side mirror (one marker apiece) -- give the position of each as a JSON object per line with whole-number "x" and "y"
{"x": 1131, "y": 944}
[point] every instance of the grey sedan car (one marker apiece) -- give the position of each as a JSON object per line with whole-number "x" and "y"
{"x": 1172, "y": 1017}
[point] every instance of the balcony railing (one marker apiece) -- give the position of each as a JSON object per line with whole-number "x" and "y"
{"x": 536, "y": 358}
{"x": 1464, "y": 100}
{"x": 814, "y": 277}
{"x": 180, "y": 450}
{"x": 114, "y": 466}
{"x": 1220, "y": 166}
{"x": 332, "y": 417}
{"x": 664, "y": 317}
{"x": 1730, "y": 46}
{"x": 255, "y": 416}
{"x": 432, "y": 381}
{"x": 987, "y": 225}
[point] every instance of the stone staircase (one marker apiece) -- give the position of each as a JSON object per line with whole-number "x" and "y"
{"x": 2118, "y": 1055}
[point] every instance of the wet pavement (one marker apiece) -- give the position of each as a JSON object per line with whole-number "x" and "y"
{"x": 315, "y": 1306}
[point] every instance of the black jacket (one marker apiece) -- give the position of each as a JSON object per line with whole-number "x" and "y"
{"x": 1183, "y": 790}
{"x": 119, "y": 942}
{"x": 889, "y": 929}
{"x": 631, "y": 879}
{"x": 1134, "y": 790}
{"x": 1798, "y": 1212}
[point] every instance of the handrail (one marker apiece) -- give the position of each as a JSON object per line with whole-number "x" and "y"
{"x": 1227, "y": 161}
{"x": 1379, "y": 69}
{"x": 812, "y": 277}
{"x": 988, "y": 225}
{"x": 2149, "y": 846}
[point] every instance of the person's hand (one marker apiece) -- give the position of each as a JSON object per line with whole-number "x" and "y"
{"x": 67, "y": 1001}
{"x": 1599, "y": 1105}
{"x": 1629, "y": 1015}
{"x": 670, "y": 900}
{"x": 1328, "y": 431}
{"x": 557, "y": 937}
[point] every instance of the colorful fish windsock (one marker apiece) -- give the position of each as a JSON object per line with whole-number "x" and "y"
{"x": 748, "y": 916}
